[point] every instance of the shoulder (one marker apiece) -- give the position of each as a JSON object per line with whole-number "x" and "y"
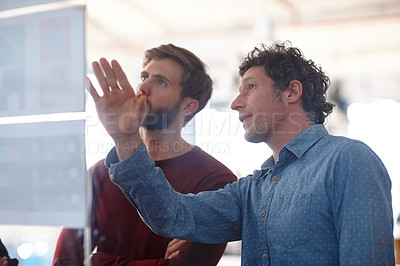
{"x": 98, "y": 167}
{"x": 210, "y": 173}
{"x": 197, "y": 158}
{"x": 199, "y": 153}
{"x": 334, "y": 146}
{"x": 343, "y": 152}
{"x": 344, "y": 146}
{"x": 99, "y": 172}
{"x": 354, "y": 160}
{"x": 207, "y": 162}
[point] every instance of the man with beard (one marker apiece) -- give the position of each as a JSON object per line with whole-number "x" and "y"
{"x": 176, "y": 86}
{"x": 318, "y": 200}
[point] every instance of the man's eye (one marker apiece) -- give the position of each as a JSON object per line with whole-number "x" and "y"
{"x": 143, "y": 78}
{"x": 250, "y": 88}
{"x": 162, "y": 82}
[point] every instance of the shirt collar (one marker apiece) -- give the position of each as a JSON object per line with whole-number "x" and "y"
{"x": 268, "y": 164}
{"x": 306, "y": 139}
{"x": 300, "y": 144}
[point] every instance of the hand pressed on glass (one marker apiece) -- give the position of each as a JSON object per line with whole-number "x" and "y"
{"x": 120, "y": 110}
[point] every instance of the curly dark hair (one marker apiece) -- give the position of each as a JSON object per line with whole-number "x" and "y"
{"x": 283, "y": 63}
{"x": 195, "y": 82}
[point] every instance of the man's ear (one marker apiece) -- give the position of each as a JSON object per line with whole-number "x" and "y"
{"x": 189, "y": 106}
{"x": 294, "y": 91}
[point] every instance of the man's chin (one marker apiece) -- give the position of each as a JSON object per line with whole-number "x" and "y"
{"x": 253, "y": 138}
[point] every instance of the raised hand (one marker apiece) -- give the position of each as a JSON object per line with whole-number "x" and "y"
{"x": 120, "y": 110}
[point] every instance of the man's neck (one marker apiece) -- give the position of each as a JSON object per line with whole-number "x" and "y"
{"x": 279, "y": 140}
{"x": 164, "y": 144}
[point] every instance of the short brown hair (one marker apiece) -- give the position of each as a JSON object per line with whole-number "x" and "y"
{"x": 195, "y": 82}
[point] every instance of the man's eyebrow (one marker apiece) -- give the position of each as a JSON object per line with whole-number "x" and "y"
{"x": 244, "y": 81}
{"x": 247, "y": 79}
{"x": 156, "y": 75}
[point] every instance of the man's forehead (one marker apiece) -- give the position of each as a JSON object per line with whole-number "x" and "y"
{"x": 253, "y": 73}
{"x": 164, "y": 66}
{"x": 248, "y": 78}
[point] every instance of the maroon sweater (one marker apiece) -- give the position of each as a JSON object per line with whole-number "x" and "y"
{"x": 121, "y": 236}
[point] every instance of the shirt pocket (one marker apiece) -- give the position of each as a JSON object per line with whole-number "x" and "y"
{"x": 293, "y": 227}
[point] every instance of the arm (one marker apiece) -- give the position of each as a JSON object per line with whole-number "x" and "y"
{"x": 198, "y": 254}
{"x": 172, "y": 214}
{"x": 104, "y": 259}
{"x": 194, "y": 254}
{"x": 69, "y": 249}
{"x": 120, "y": 105}
{"x": 189, "y": 253}
{"x": 362, "y": 208}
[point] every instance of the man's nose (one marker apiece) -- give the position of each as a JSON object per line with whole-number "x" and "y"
{"x": 145, "y": 87}
{"x": 237, "y": 103}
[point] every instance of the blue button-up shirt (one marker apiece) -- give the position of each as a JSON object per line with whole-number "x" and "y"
{"x": 327, "y": 201}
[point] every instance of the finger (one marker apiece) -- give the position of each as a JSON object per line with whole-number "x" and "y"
{"x": 174, "y": 245}
{"x": 141, "y": 105}
{"x": 171, "y": 248}
{"x": 120, "y": 75}
{"x": 91, "y": 89}
{"x": 98, "y": 72}
{"x": 176, "y": 253}
{"x": 177, "y": 244}
{"x": 109, "y": 72}
{"x": 174, "y": 241}
{"x": 169, "y": 252}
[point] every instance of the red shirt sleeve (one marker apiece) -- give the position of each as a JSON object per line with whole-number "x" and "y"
{"x": 69, "y": 249}
{"x": 193, "y": 254}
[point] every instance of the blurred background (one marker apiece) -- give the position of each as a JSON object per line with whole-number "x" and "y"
{"x": 356, "y": 42}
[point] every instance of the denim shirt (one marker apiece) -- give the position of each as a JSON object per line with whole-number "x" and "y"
{"x": 327, "y": 201}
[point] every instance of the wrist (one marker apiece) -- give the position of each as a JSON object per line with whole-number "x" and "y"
{"x": 127, "y": 146}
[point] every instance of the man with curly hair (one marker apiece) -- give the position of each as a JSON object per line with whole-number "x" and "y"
{"x": 318, "y": 200}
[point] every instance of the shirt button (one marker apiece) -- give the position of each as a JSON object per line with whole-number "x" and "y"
{"x": 112, "y": 177}
{"x": 263, "y": 213}
{"x": 274, "y": 178}
{"x": 265, "y": 256}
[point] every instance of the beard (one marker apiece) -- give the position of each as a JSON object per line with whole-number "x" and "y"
{"x": 161, "y": 118}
